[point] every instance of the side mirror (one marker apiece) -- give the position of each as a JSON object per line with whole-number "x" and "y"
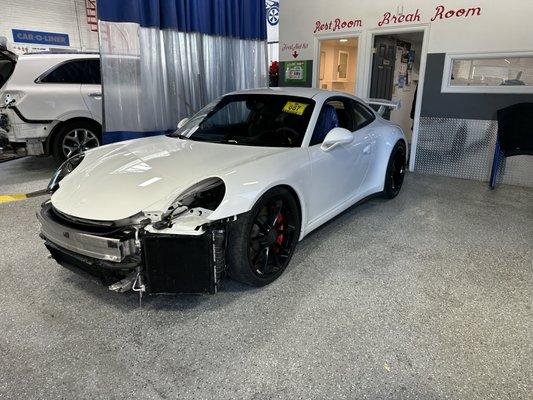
{"x": 335, "y": 137}
{"x": 182, "y": 122}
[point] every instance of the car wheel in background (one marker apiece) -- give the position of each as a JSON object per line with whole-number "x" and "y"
{"x": 395, "y": 171}
{"x": 74, "y": 137}
{"x": 261, "y": 242}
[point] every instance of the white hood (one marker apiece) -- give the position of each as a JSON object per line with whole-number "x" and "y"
{"x": 120, "y": 180}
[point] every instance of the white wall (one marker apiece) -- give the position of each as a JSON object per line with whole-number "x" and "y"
{"x": 504, "y": 25}
{"x": 59, "y": 16}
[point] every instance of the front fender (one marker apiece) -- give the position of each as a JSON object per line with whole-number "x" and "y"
{"x": 246, "y": 185}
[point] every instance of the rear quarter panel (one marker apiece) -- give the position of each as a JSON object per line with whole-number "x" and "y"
{"x": 387, "y": 135}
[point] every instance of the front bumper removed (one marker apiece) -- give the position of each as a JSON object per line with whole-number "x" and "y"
{"x": 164, "y": 263}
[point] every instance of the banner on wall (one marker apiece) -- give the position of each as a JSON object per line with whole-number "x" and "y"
{"x": 42, "y": 38}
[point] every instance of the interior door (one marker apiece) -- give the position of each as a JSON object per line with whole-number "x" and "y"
{"x": 337, "y": 174}
{"x": 383, "y": 63}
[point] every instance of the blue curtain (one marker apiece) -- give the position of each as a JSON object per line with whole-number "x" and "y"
{"x": 243, "y": 19}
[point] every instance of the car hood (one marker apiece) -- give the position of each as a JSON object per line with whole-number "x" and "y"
{"x": 120, "y": 180}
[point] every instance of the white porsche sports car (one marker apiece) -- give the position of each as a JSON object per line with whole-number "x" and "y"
{"x": 231, "y": 191}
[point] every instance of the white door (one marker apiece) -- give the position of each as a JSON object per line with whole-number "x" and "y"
{"x": 91, "y": 89}
{"x": 92, "y": 96}
{"x": 340, "y": 172}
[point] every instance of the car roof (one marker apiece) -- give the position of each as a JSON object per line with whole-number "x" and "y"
{"x": 311, "y": 93}
{"x": 58, "y": 55}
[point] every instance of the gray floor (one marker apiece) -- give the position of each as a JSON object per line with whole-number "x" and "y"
{"x": 427, "y": 296}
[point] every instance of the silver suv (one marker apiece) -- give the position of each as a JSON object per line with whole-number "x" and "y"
{"x": 51, "y": 103}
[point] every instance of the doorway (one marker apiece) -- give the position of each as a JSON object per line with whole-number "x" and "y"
{"x": 396, "y": 69}
{"x": 338, "y": 64}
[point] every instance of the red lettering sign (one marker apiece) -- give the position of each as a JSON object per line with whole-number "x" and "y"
{"x": 337, "y": 24}
{"x": 442, "y": 13}
{"x": 389, "y": 18}
{"x": 294, "y": 46}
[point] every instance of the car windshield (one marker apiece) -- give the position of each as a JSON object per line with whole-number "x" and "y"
{"x": 251, "y": 120}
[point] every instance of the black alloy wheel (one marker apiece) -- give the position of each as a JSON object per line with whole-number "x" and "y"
{"x": 395, "y": 171}
{"x": 262, "y": 243}
{"x": 271, "y": 238}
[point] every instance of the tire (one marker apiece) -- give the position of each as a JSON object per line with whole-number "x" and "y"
{"x": 78, "y": 135}
{"x": 250, "y": 241}
{"x": 395, "y": 174}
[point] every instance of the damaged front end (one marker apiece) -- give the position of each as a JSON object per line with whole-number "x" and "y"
{"x": 176, "y": 251}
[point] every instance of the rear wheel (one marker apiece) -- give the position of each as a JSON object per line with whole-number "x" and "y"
{"x": 74, "y": 137}
{"x": 262, "y": 242}
{"x": 395, "y": 171}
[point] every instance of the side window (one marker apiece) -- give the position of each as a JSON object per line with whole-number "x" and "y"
{"x": 76, "y": 71}
{"x": 335, "y": 113}
{"x": 93, "y": 72}
{"x": 362, "y": 115}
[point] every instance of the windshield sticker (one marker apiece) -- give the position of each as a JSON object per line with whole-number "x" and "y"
{"x": 293, "y": 107}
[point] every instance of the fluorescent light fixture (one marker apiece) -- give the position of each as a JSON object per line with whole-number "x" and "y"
{"x": 343, "y": 40}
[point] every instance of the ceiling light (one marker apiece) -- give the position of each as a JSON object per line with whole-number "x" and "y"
{"x": 343, "y": 40}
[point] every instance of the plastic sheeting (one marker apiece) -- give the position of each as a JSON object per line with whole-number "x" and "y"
{"x": 153, "y": 78}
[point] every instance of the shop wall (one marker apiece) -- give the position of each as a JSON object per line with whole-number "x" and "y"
{"x": 58, "y": 16}
{"x": 504, "y": 25}
{"x": 457, "y": 132}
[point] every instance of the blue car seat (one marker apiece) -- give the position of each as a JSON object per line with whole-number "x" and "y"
{"x": 327, "y": 120}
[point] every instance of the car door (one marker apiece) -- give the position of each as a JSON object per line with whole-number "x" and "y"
{"x": 337, "y": 174}
{"x": 91, "y": 88}
{"x": 55, "y": 95}
{"x": 365, "y": 136}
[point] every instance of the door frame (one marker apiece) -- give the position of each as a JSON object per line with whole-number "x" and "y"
{"x": 332, "y": 36}
{"x": 367, "y": 73}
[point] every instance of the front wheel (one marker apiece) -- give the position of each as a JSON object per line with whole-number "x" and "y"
{"x": 395, "y": 171}
{"x": 261, "y": 242}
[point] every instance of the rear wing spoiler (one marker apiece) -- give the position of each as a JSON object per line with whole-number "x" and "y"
{"x": 381, "y": 105}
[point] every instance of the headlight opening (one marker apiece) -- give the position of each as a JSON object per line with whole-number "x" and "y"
{"x": 207, "y": 194}
{"x": 66, "y": 168}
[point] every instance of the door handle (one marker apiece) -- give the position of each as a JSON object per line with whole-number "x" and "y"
{"x": 367, "y": 149}
{"x": 96, "y": 94}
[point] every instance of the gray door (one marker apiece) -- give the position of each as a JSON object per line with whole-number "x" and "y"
{"x": 383, "y": 63}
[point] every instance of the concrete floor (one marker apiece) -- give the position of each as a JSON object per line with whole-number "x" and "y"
{"x": 427, "y": 296}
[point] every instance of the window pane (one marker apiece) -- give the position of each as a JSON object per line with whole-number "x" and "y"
{"x": 69, "y": 72}
{"x": 492, "y": 72}
{"x": 92, "y": 72}
{"x": 362, "y": 115}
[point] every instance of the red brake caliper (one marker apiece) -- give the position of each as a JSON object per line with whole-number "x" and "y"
{"x": 279, "y": 228}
